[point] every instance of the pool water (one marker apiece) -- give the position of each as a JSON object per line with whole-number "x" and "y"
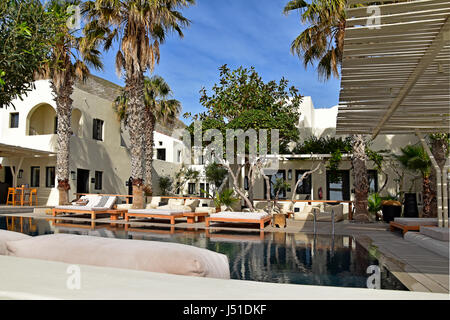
{"x": 298, "y": 258}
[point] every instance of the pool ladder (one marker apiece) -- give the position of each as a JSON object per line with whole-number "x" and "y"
{"x": 332, "y": 221}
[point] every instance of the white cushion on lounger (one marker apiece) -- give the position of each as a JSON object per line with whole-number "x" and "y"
{"x": 240, "y": 215}
{"x": 156, "y": 211}
{"x": 82, "y": 208}
{"x": 175, "y": 208}
{"x": 417, "y": 221}
{"x": 153, "y": 256}
{"x": 6, "y": 236}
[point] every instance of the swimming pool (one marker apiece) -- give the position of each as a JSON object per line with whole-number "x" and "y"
{"x": 280, "y": 257}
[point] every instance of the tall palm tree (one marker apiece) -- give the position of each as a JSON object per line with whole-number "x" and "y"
{"x": 415, "y": 158}
{"x": 440, "y": 148}
{"x": 70, "y": 58}
{"x": 139, "y": 26}
{"x": 323, "y": 39}
{"x": 323, "y": 42}
{"x": 158, "y": 107}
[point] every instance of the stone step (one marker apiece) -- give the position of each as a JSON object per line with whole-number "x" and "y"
{"x": 439, "y": 247}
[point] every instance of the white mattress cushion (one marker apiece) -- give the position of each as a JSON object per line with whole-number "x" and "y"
{"x": 6, "y": 236}
{"x": 417, "y": 221}
{"x": 153, "y": 256}
{"x": 82, "y": 208}
{"x": 240, "y": 215}
{"x": 156, "y": 211}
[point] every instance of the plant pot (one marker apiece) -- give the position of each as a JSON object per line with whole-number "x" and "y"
{"x": 391, "y": 212}
{"x": 279, "y": 220}
{"x": 410, "y": 208}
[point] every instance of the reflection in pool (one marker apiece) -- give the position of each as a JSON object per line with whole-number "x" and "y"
{"x": 298, "y": 258}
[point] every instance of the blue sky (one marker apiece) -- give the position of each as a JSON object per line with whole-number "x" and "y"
{"x": 234, "y": 32}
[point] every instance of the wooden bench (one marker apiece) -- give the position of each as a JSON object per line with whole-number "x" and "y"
{"x": 154, "y": 215}
{"x": 405, "y": 228}
{"x": 113, "y": 213}
{"x": 261, "y": 222}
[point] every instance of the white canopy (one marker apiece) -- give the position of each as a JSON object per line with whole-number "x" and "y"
{"x": 396, "y": 68}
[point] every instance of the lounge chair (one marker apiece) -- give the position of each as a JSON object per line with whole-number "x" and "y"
{"x": 165, "y": 214}
{"x": 412, "y": 224}
{"x": 96, "y": 204}
{"x": 242, "y": 217}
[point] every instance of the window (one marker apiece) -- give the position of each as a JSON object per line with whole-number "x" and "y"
{"x": 191, "y": 188}
{"x": 204, "y": 187}
{"x": 305, "y": 186}
{"x": 98, "y": 180}
{"x": 179, "y": 156}
{"x": 338, "y": 185}
{"x": 273, "y": 179}
{"x": 14, "y": 120}
{"x": 161, "y": 154}
{"x": 372, "y": 175}
{"x": 55, "y": 123}
{"x": 97, "y": 130}
{"x": 49, "y": 177}
{"x": 35, "y": 176}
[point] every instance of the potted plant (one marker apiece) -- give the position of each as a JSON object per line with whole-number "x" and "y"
{"x": 391, "y": 208}
{"x": 374, "y": 203}
{"x": 279, "y": 218}
{"x": 224, "y": 198}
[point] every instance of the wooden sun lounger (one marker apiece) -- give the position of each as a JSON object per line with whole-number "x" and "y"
{"x": 113, "y": 213}
{"x": 405, "y": 228}
{"x": 261, "y": 222}
{"x": 154, "y": 215}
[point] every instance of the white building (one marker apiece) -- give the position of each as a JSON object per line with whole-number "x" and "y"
{"x": 99, "y": 157}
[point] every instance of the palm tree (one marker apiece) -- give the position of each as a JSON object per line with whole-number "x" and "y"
{"x": 415, "y": 158}
{"x": 440, "y": 149}
{"x": 323, "y": 39}
{"x": 140, "y": 26}
{"x": 158, "y": 107}
{"x": 69, "y": 61}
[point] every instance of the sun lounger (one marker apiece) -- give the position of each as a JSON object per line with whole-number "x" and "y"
{"x": 412, "y": 224}
{"x": 242, "y": 217}
{"x": 96, "y": 205}
{"x": 154, "y": 213}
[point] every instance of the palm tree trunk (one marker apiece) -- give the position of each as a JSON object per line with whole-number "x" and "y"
{"x": 427, "y": 196}
{"x": 361, "y": 182}
{"x": 62, "y": 86}
{"x": 439, "y": 150}
{"x": 135, "y": 110}
{"x": 149, "y": 128}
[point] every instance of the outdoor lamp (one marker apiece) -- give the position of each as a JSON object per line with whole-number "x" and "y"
{"x": 20, "y": 175}
{"x": 290, "y": 174}
{"x": 73, "y": 175}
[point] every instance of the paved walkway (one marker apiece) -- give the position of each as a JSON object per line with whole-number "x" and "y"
{"x": 416, "y": 267}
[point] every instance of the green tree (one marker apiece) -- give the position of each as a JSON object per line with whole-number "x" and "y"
{"x": 323, "y": 39}
{"x": 415, "y": 158}
{"x": 216, "y": 174}
{"x": 140, "y": 26}
{"x": 242, "y": 100}
{"x": 69, "y": 60}
{"x": 27, "y": 32}
{"x": 158, "y": 107}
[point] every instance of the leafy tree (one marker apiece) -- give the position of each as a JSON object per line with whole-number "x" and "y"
{"x": 27, "y": 33}
{"x": 225, "y": 198}
{"x": 242, "y": 100}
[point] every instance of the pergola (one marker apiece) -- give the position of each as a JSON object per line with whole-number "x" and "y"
{"x": 20, "y": 153}
{"x": 396, "y": 74}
